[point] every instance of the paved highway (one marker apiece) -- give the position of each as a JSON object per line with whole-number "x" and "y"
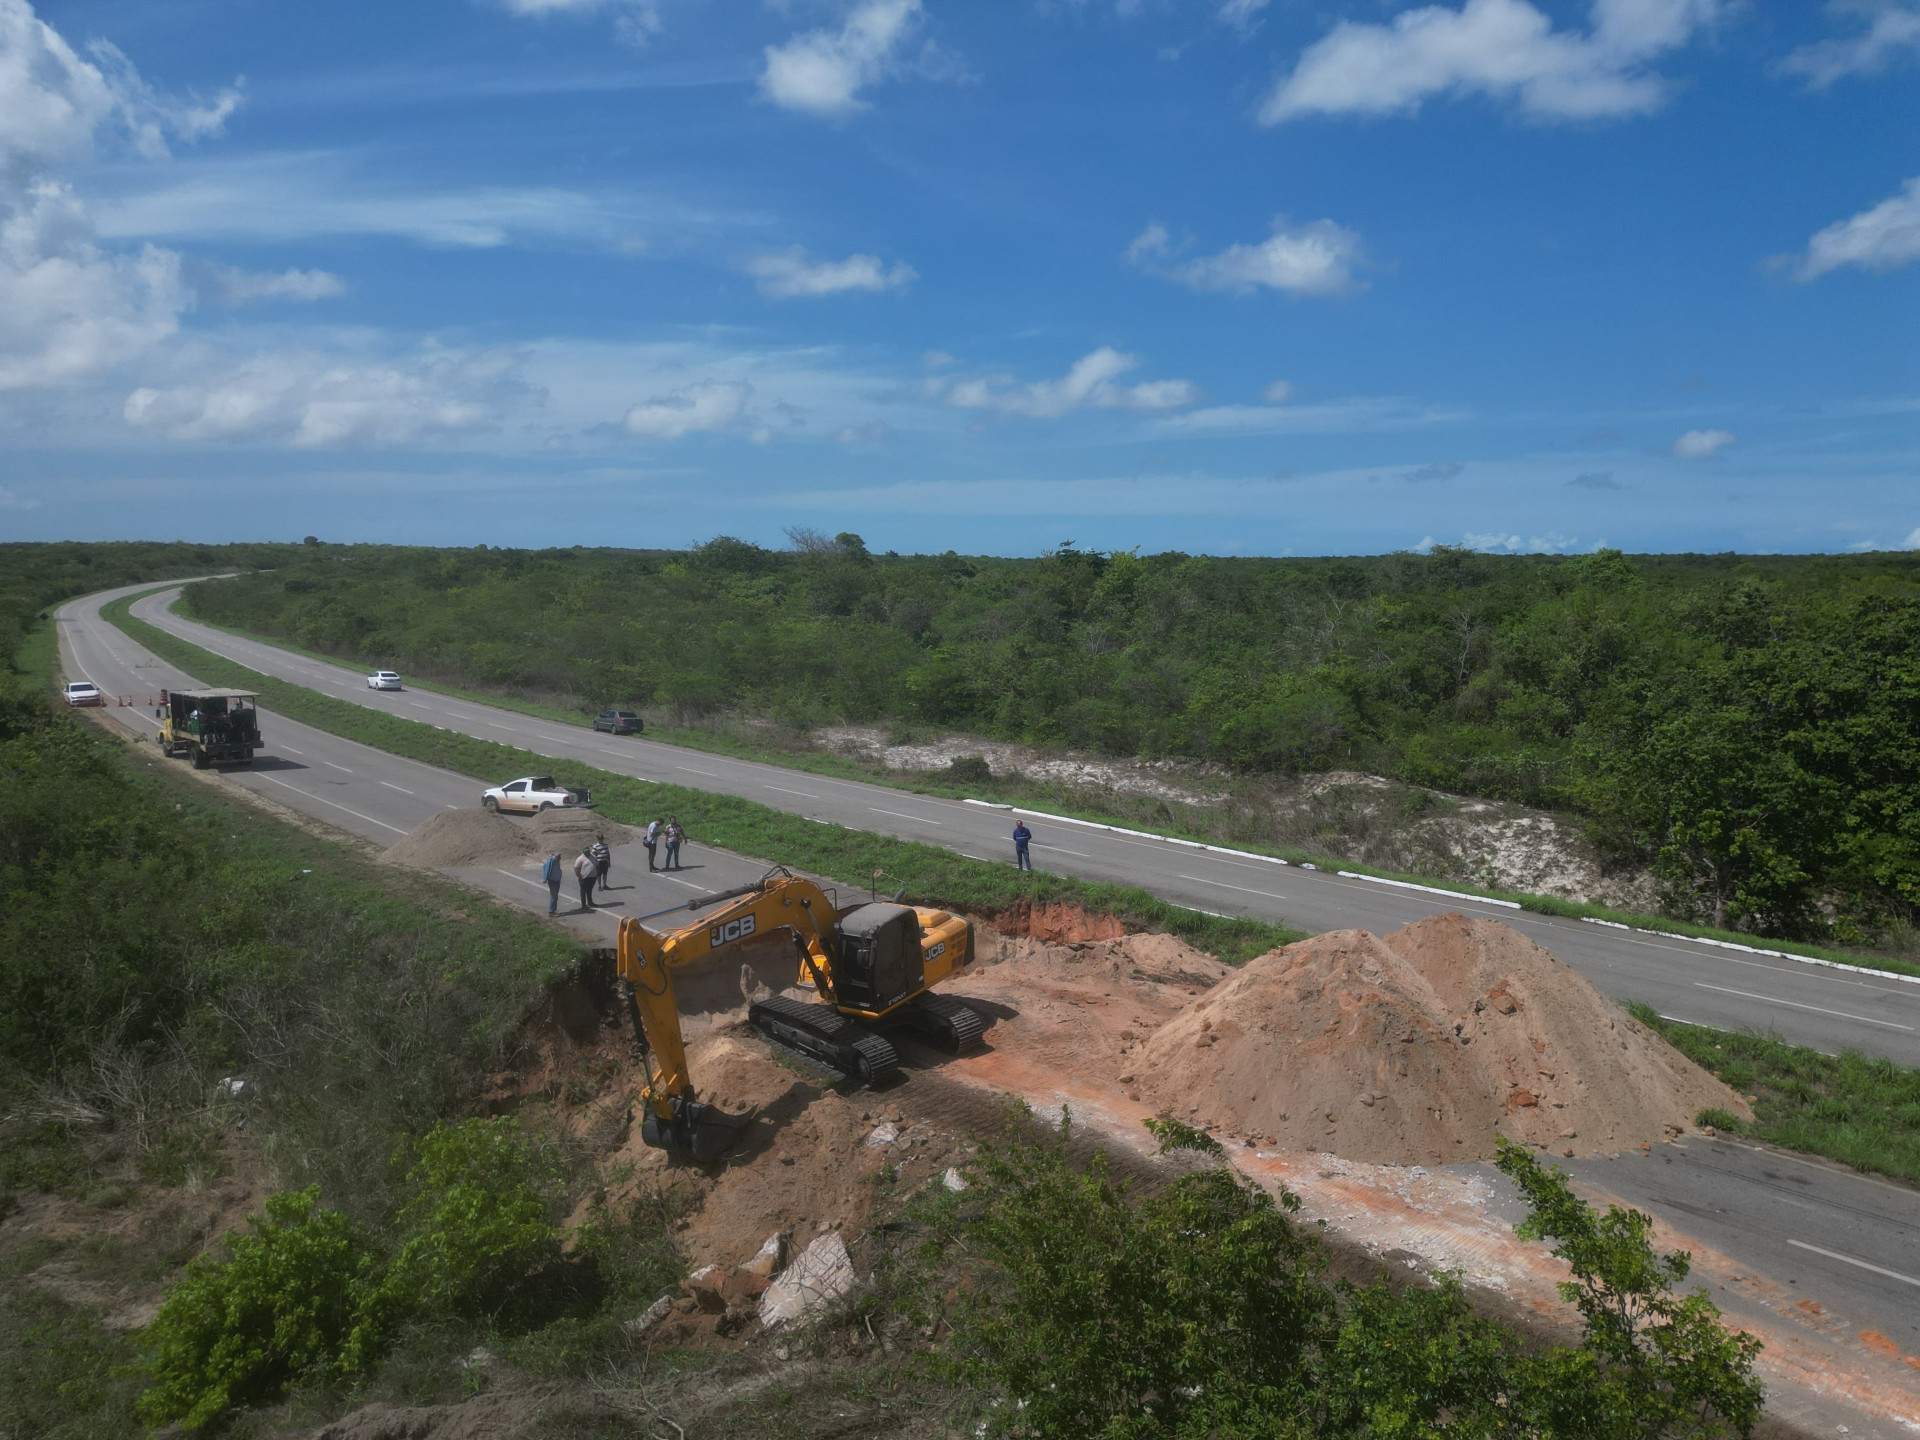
{"x": 1804, "y": 1228}
{"x": 1809, "y": 1005}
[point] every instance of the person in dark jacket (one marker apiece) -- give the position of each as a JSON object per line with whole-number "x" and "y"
{"x": 552, "y": 874}
{"x": 1022, "y": 837}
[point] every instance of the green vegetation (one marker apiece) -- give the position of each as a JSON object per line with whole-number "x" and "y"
{"x": 1857, "y": 1109}
{"x": 1746, "y": 725}
{"x": 195, "y": 998}
{"x": 1204, "y": 1310}
{"x": 931, "y": 875}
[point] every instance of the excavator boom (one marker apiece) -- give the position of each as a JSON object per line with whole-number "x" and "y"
{"x": 874, "y": 965}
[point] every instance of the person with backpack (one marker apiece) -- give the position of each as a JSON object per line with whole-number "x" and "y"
{"x": 602, "y": 860}
{"x": 551, "y": 873}
{"x": 674, "y": 836}
{"x": 1022, "y": 837}
{"x": 651, "y": 839}
{"x": 584, "y": 870}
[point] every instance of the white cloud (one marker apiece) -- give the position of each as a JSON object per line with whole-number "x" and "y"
{"x": 788, "y": 274}
{"x": 703, "y": 405}
{"x": 1332, "y": 418}
{"x": 1278, "y": 393}
{"x": 1089, "y": 384}
{"x": 1701, "y": 444}
{"x": 635, "y": 21}
{"x": 1505, "y": 49}
{"x": 308, "y": 194}
{"x": 241, "y": 287}
{"x": 822, "y": 72}
{"x": 69, "y": 309}
{"x": 315, "y": 400}
{"x": 1242, "y": 15}
{"x": 1549, "y": 544}
{"x": 1312, "y": 259}
{"x": 1883, "y": 238}
{"x": 14, "y": 500}
{"x": 1891, "y": 29}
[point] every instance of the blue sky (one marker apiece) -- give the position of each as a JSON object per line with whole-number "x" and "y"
{"x": 1239, "y": 278}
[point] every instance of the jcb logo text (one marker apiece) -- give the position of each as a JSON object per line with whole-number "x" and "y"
{"x": 731, "y": 931}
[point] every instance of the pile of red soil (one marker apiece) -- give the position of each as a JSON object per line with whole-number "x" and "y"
{"x": 1420, "y": 1048}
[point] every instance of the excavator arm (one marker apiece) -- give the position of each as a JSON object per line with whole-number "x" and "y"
{"x": 647, "y": 963}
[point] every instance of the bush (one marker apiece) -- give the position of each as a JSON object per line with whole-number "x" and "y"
{"x": 278, "y": 1306}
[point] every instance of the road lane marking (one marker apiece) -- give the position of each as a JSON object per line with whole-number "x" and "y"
{"x": 324, "y": 801}
{"x": 337, "y": 767}
{"x": 521, "y": 878}
{"x": 902, "y": 815}
{"x": 1202, "y": 880}
{"x": 1849, "y": 1260}
{"x": 401, "y": 788}
{"x": 692, "y": 771}
{"x": 1817, "y": 1009}
{"x": 803, "y": 794}
{"x": 671, "y": 880}
{"x": 291, "y": 751}
{"x": 1062, "y": 850}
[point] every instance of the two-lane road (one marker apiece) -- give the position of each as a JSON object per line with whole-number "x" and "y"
{"x": 1810, "y": 1005}
{"x": 1791, "y": 1230}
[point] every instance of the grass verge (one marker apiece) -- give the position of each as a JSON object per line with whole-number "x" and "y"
{"x": 1854, "y": 1108}
{"x": 850, "y": 857}
{"x": 1026, "y": 794}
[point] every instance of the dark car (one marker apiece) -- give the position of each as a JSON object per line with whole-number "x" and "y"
{"x": 618, "y": 722}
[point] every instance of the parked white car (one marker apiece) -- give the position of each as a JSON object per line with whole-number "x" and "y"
{"x": 383, "y": 680}
{"x": 82, "y": 692}
{"x": 532, "y": 794}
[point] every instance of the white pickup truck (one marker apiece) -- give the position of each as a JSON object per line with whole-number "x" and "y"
{"x": 534, "y": 793}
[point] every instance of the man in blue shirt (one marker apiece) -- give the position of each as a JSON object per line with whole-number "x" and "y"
{"x": 551, "y": 873}
{"x": 1021, "y": 837}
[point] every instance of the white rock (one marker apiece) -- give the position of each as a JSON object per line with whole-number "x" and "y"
{"x": 650, "y": 1317}
{"x": 954, "y": 1180}
{"x": 820, "y": 1274}
{"x": 884, "y": 1134}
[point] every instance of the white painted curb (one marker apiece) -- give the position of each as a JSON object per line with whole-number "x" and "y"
{"x": 1429, "y": 889}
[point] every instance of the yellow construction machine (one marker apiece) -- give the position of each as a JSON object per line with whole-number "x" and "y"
{"x": 873, "y": 966}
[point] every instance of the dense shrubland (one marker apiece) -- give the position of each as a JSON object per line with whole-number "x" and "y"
{"x": 1749, "y": 726}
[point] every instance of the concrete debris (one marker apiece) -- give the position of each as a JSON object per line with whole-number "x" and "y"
{"x": 819, "y": 1275}
{"x": 650, "y": 1317}
{"x": 884, "y": 1134}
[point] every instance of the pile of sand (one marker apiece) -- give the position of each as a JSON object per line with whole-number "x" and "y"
{"x": 1418, "y": 1048}
{"x": 573, "y": 830}
{"x": 454, "y": 838}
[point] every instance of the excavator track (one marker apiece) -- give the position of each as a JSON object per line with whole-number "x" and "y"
{"x": 953, "y": 1025}
{"x": 822, "y": 1033}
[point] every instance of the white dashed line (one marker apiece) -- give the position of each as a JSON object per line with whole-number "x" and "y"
{"x": 902, "y": 815}
{"x": 355, "y": 813}
{"x": 1849, "y": 1260}
{"x": 1795, "y": 1004}
{"x": 401, "y": 788}
{"x": 1202, "y": 880}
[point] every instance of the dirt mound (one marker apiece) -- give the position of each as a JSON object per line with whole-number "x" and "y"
{"x": 574, "y": 829}
{"x": 453, "y": 838}
{"x": 1419, "y": 1048}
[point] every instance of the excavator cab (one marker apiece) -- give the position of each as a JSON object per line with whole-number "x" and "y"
{"x": 879, "y": 963}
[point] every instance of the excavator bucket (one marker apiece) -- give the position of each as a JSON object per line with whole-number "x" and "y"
{"x": 696, "y": 1130}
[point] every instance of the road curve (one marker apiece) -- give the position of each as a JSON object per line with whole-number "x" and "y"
{"x": 1806, "y": 1004}
{"x": 1806, "y": 1230}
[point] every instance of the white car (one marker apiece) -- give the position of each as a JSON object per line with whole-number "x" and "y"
{"x": 533, "y": 794}
{"x": 383, "y": 680}
{"x": 82, "y": 692}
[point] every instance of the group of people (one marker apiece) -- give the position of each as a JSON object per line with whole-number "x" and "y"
{"x": 594, "y": 865}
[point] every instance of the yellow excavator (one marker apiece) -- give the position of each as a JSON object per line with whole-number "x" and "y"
{"x": 873, "y": 966}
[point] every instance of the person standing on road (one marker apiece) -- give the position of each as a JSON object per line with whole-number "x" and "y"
{"x": 651, "y": 839}
{"x": 602, "y": 861}
{"x": 1022, "y": 837}
{"x": 584, "y": 870}
{"x": 551, "y": 873}
{"x": 674, "y": 836}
